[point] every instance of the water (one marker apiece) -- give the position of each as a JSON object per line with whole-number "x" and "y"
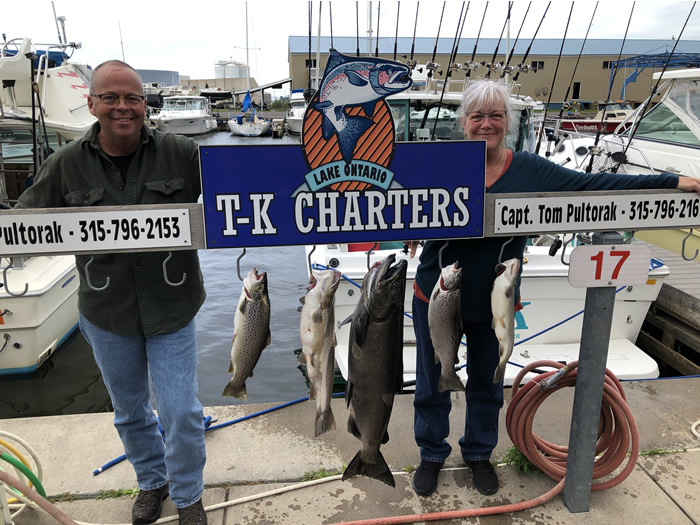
{"x": 70, "y": 383}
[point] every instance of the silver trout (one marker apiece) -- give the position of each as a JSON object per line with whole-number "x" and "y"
{"x": 251, "y": 333}
{"x": 445, "y": 325}
{"x": 316, "y": 329}
{"x": 375, "y": 365}
{"x": 503, "y": 310}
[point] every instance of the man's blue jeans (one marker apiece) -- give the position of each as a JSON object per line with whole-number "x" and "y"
{"x": 432, "y": 408}
{"x": 171, "y": 359}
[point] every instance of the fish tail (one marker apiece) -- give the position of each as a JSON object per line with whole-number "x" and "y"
{"x": 325, "y": 421}
{"x": 231, "y": 391}
{"x": 348, "y": 136}
{"x": 499, "y": 373}
{"x": 379, "y": 470}
{"x": 450, "y": 382}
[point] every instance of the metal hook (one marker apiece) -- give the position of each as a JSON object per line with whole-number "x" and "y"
{"x": 370, "y": 253}
{"x": 500, "y": 255}
{"x": 4, "y": 281}
{"x": 685, "y": 239}
{"x": 308, "y": 258}
{"x": 87, "y": 277}
{"x": 238, "y": 265}
{"x": 165, "y": 272}
{"x": 440, "y": 253}
{"x": 563, "y": 247}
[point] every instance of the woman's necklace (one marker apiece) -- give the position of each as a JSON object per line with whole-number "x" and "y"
{"x": 500, "y": 162}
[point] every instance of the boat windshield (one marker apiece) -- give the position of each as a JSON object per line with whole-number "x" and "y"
{"x": 677, "y": 118}
{"x": 183, "y": 104}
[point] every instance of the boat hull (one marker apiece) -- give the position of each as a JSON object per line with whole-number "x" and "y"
{"x": 35, "y": 324}
{"x": 249, "y": 129}
{"x": 186, "y": 125}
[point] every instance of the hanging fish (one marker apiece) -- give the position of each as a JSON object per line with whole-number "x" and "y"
{"x": 445, "y": 324}
{"x": 503, "y": 310}
{"x": 316, "y": 329}
{"x": 251, "y": 333}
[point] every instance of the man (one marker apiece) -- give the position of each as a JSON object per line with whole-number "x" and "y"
{"x": 139, "y": 324}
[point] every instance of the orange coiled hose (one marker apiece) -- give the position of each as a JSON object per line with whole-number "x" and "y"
{"x": 617, "y": 431}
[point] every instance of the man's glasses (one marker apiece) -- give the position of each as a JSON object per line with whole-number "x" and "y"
{"x": 494, "y": 116}
{"x": 110, "y": 99}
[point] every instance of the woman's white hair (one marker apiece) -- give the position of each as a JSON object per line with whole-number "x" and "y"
{"x": 483, "y": 94}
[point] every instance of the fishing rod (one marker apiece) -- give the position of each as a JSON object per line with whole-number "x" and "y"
{"x": 492, "y": 66}
{"x": 396, "y": 36}
{"x": 307, "y": 93}
{"x": 573, "y": 75}
{"x": 551, "y": 90}
{"x": 507, "y": 69}
{"x": 379, "y": 10}
{"x": 330, "y": 17}
{"x": 357, "y": 25}
{"x": 647, "y": 102}
{"x": 594, "y": 149}
{"x": 523, "y": 66}
{"x": 431, "y": 66}
{"x": 471, "y": 64}
{"x": 453, "y": 56}
{"x": 410, "y": 62}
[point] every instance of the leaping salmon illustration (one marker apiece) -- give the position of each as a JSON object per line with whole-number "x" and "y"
{"x": 355, "y": 81}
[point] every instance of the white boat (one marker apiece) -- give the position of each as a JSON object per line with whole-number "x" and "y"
{"x": 296, "y": 111}
{"x": 185, "y": 115}
{"x": 34, "y": 324}
{"x": 667, "y": 140}
{"x": 607, "y": 119}
{"x": 249, "y": 125}
{"x": 546, "y": 294}
{"x": 35, "y": 320}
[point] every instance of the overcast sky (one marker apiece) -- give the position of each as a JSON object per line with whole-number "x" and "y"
{"x": 190, "y": 36}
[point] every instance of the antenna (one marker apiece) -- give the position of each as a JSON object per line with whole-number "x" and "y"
{"x": 56, "y": 18}
{"x": 121, "y": 41}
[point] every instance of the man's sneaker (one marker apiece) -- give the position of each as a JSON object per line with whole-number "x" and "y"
{"x": 484, "y": 476}
{"x": 425, "y": 478}
{"x": 193, "y": 515}
{"x": 148, "y": 505}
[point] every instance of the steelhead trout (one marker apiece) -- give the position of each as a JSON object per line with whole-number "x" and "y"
{"x": 375, "y": 365}
{"x": 251, "y": 333}
{"x": 316, "y": 329}
{"x": 503, "y": 310}
{"x": 445, "y": 325}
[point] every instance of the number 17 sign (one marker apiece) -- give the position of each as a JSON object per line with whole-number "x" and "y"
{"x": 599, "y": 265}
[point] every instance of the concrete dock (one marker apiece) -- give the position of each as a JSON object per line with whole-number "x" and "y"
{"x": 277, "y": 450}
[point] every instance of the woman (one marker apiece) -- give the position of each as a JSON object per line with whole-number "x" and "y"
{"x": 486, "y": 114}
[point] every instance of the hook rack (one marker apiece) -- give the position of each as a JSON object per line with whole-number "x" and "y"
{"x": 440, "y": 253}
{"x": 500, "y": 255}
{"x": 87, "y": 277}
{"x": 165, "y": 272}
{"x": 308, "y": 258}
{"x": 685, "y": 239}
{"x": 563, "y": 247}
{"x": 7, "y": 288}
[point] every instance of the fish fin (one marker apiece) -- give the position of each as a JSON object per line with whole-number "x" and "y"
{"x": 324, "y": 422}
{"x": 242, "y": 305}
{"x": 356, "y": 79}
{"x": 269, "y": 339}
{"x": 379, "y": 470}
{"x": 352, "y": 427}
{"x": 345, "y": 321}
{"x": 302, "y": 359}
{"x": 320, "y": 106}
{"x": 451, "y": 382}
{"x": 385, "y": 439}
{"x": 317, "y": 315}
{"x": 437, "y": 358}
{"x": 360, "y": 323}
{"x": 348, "y": 136}
{"x": 327, "y": 128}
{"x": 229, "y": 391}
{"x": 348, "y": 393}
{"x": 369, "y": 108}
{"x": 302, "y": 299}
{"x": 499, "y": 373}
{"x": 230, "y": 366}
{"x": 312, "y": 392}
{"x": 335, "y": 59}
{"x": 338, "y": 110}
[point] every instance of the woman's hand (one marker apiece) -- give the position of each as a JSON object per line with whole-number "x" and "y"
{"x": 688, "y": 184}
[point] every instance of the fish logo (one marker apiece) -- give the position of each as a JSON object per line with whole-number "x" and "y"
{"x": 348, "y": 130}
